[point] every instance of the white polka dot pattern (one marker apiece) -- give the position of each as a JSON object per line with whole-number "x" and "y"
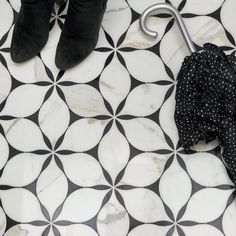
{"x": 206, "y": 101}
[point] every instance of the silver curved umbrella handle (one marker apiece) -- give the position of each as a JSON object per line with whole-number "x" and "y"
{"x": 177, "y": 16}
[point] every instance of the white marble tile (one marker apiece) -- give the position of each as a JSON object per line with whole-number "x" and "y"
{"x": 113, "y": 219}
{"x": 205, "y": 29}
{"x": 196, "y": 6}
{"x": 175, "y": 187}
{"x": 144, "y": 205}
{"x": 201, "y": 230}
{"x": 227, "y": 16}
{"x": 52, "y": 187}
{"x": 85, "y": 100}
{"x": 144, "y": 134}
{"x": 77, "y": 168}
{"x": 21, "y": 205}
{"x": 88, "y": 69}
{"x": 6, "y": 18}
{"x": 118, "y": 9}
{"x": 115, "y": 83}
{"x": 167, "y": 119}
{"x": 113, "y": 152}
{"x": 25, "y": 135}
{"x": 49, "y": 112}
{"x": 25, "y": 229}
{"x": 34, "y": 68}
{"x": 4, "y": 151}
{"x": 149, "y": 229}
{"x": 22, "y": 170}
{"x": 24, "y": 100}
{"x": 3, "y": 221}
{"x": 83, "y": 135}
{"x": 73, "y": 230}
{"x": 140, "y": 6}
{"x": 144, "y": 169}
{"x": 94, "y": 150}
{"x": 5, "y": 83}
{"x": 82, "y": 205}
{"x": 147, "y": 98}
{"x": 213, "y": 172}
{"x": 205, "y": 207}
{"x": 145, "y": 73}
{"x": 228, "y": 220}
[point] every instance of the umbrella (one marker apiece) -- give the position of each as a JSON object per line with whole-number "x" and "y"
{"x": 205, "y": 95}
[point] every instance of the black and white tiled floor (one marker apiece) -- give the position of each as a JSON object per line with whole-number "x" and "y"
{"x": 94, "y": 150}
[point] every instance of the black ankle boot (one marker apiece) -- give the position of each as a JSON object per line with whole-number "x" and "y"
{"x": 31, "y": 29}
{"x": 80, "y": 32}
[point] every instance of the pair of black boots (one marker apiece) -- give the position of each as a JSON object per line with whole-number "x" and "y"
{"x": 79, "y": 34}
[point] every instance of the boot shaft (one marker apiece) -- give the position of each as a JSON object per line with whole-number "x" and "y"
{"x": 77, "y": 5}
{"x": 60, "y": 2}
{"x": 38, "y": 3}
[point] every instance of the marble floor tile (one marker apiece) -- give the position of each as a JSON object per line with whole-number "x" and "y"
{"x": 94, "y": 150}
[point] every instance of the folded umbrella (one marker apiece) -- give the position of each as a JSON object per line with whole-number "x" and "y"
{"x": 205, "y": 95}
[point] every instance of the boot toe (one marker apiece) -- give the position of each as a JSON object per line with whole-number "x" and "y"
{"x": 69, "y": 55}
{"x": 23, "y": 49}
{"x": 21, "y": 54}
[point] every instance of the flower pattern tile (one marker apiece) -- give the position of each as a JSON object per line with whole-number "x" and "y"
{"x": 94, "y": 150}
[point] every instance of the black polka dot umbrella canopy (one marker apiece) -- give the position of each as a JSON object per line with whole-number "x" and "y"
{"x": 205, "y": 95}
